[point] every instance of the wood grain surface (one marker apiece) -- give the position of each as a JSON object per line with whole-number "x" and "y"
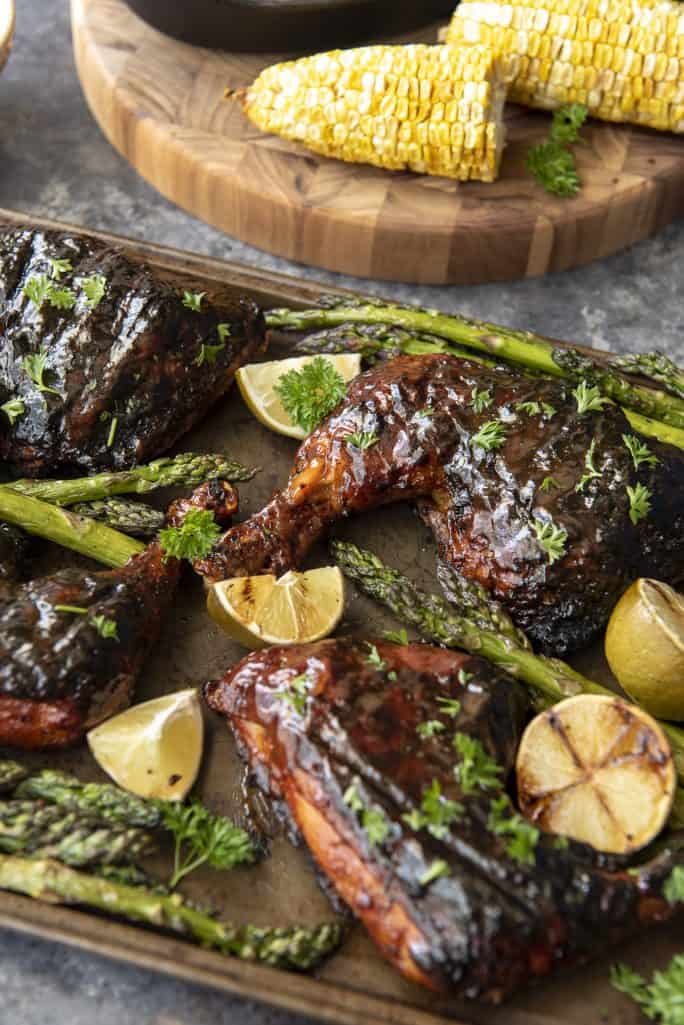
{"x": 7, "y": 15}
{"x": 160, "y": 102}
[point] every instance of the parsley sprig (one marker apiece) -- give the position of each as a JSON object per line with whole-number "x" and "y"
{"x": 551, "y": 162}
{"x": 193, "y": 539}
{"x": 310, "y": 394}
{"x": 13, "y": 409}
{"x": 203, "y": 839}
{"x": 430, "y": 728}
{"x": 363, "y": 439}
{"x": 673, "y": 890}
{"x": 548, "y": 483}
{"x": 590, "y": 471}
{"x": 662, "y": 999}
{"x": 639, "y": 502}
{"x": 94, "y": 290}
{"x": 34, "y": 365}
{"x": 296, "y": 693}
{"x": 505, "y": 821}
{"x": 552, "y": 538}
{"x": 589, "y": 398}
{"x": 193, "y": 301}
{"x": 373, "y": 820}
{"x": 436, "y": 812}
{"x": 639, "y": 452}
{"x": 476, "y": 769}
{"x": 490, "y": 436}
{"x": 481, "y": 399}
{"x": 436, "y": 870}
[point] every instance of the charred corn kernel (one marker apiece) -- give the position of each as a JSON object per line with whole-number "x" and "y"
{"x": 614, "y": 56}
{"x": 431, "y": 109}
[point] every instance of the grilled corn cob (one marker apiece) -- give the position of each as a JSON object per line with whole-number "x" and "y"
{"x": 622, "y": 59}
{"x": 429, "y": 109}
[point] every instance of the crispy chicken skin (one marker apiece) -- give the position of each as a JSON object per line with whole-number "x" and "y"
{"x": 482, "y": 503}
{"x": 494, "y": 922}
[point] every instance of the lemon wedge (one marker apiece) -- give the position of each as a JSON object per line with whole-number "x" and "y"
{"x": 256, "y": 382}
{"x": 296, "y": 609}
{"x": 645, "y": 647}
{"x": 597, "y": 769}
{"x": 153, "y": 749}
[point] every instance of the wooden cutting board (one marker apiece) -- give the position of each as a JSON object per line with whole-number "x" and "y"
{"x": 160, "y": 103}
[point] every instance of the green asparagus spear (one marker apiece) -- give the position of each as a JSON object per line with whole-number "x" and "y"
{"x": 132, "y": 518}
{"x": 96, "y": 800}
{"x": 11, "y": 774}
{"x": 76, "y": 532}
{"x": 654, "y": 365}
{"x": 519, "y": 347}
{"x": 478, "y": 605}
{"x": 654, "y": 429}
{"x": 298, "y": 947}
{"x": 29, "y": 827}
{"x": 550, "y": 678}
{"x": 185, "y": 470}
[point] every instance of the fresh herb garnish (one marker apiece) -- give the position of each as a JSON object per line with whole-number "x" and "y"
{"x": 481, "y": 400}
{"x": 490, "y": 436}
{"x": 196, "y": 536}
{"x": 59, "y": 267}
{"x": 13, "y": 409}
{"x": 105, "y": 627}
{"x": 436, "y": 812}
{"x": 505, "y": 821}
{"x": 450, "y": 706}
{"x": 553, "y": 539}
{"x": 673, "y": 890}
{"x": 94, "y": 289}
{"x": 309, "y": 394}
{"x": 639, "y": 502}
{"x": 531, "y": 408}
{"x": 548, "y": 409}
{"x": 430, "y": 728}
{"x": 426, "y": 411}
{"x": 551, "y": 162}
{"x": 436, "y": 870}
{"x": 476, "y": 770}
{"x": 561, "y": 843}
{"x": 589, "y": 398}
{"x": 373, "y": 659}
{"x": 363, "y": 439}
{"x": 372, "y": 820}
{"x": 223, "y": 332}
{"x": 463, "y": 677}
{"x": 548, "y": 483}
{"x": 591, "y": 473}
{"x": 78, "y": 610}
{"x": 37, "y": 289}
{"x": 396, "y": 636}
{"x": 61, "y": 298}
{"x": 193, "y": 300}
{"x": 296, "y": 693}
{"x": 201, "y": 838}
{"x": 34, "y": 366}
{"x": 352, "y": 798}
{"x": 662, "y": 999}
{"x": 112, "y": 431}
{"x": 208, "y": 353}
{"x": 639, "y": 452}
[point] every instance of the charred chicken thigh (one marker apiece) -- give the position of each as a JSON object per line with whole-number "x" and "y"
{"x": 525, "y": 490}
{"x": 360, "y": 742}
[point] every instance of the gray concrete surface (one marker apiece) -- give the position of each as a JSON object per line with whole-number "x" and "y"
{"x": 54, "y": 161}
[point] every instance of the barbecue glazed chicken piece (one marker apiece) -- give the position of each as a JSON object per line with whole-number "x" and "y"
{"x": 343, "y": 732}
{"x": 128, "y": 366}
{"x": 490, "y": 473}
{"x": 63, "y": 670}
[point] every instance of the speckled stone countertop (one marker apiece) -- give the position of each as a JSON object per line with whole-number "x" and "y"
{"x": 55, "y": 161}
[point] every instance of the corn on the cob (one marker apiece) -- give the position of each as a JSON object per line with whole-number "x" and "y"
{"x": 429, "y": 109}
{"x": 622, "y": 59}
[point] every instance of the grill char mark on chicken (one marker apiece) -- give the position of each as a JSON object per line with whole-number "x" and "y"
{"x": 492, "y": 924}
{"x": 481, "y": 504}
{"x": 134, "y": 357}
{"x": 58, "y": 675}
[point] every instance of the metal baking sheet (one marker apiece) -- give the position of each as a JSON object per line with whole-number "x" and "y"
{"x": 356, "y": 985}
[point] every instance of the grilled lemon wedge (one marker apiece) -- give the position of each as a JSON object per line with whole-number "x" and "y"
{"x": 296, "y": 609}
{"x": 597, "y": 769}
{"x": 153, "y": 749}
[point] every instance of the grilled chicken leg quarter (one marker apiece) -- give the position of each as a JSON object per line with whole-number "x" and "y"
{"x": 361, "y": 750}
{"x": 73, "y": 644}
{"x": 495, "y": 458}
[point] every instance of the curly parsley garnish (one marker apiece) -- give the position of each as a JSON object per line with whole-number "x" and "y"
{"x": 309, "y": 394}
{"x": 490, "y": 436}
{"x": 13, "y": 409}
{"x": 436, "y": 870}
{"x": 476, "y": 770}
{"x": 505, "y": 821}
{"x": 37, "y": 289}
{"x": 673, "y": 891}
{"x": 481, "y": 400}
{"x": 553, "y": 539}
{"x": 396, "y": 636}
{"x": 94, "y": 289}
{"x": 223, "y": 332}
{"x": 639, "y": 452}
{"x": 208, "y": 353}
{"x": 374, "y": 659}
{"x": 591, "y": 473}
{"x": 296, "y": 693}
{"x": 430, "y": 728}
{"x": 372, "y": 820}
{"x": 551, "y": 162}
{"x": 450, "y": 706}
{"x": 639, "y": 502}
{"x": 62, "y": 298}
{"x": 589, "y": 398}
{"x": 531, "y": 408}
{"x": 436, "y": 812}
{"x": 662, "y": 999}
{"x": 548, "y": 483}
{"x": 193, "y": 301}
{"x": 196, "y": 536}
{"x": 59, "y": 267}
{"x": 105, "y": 627}
{"x": 363, "y": 439}
{"x": 34, "y": 366}
{"x": 203, "y": 839}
